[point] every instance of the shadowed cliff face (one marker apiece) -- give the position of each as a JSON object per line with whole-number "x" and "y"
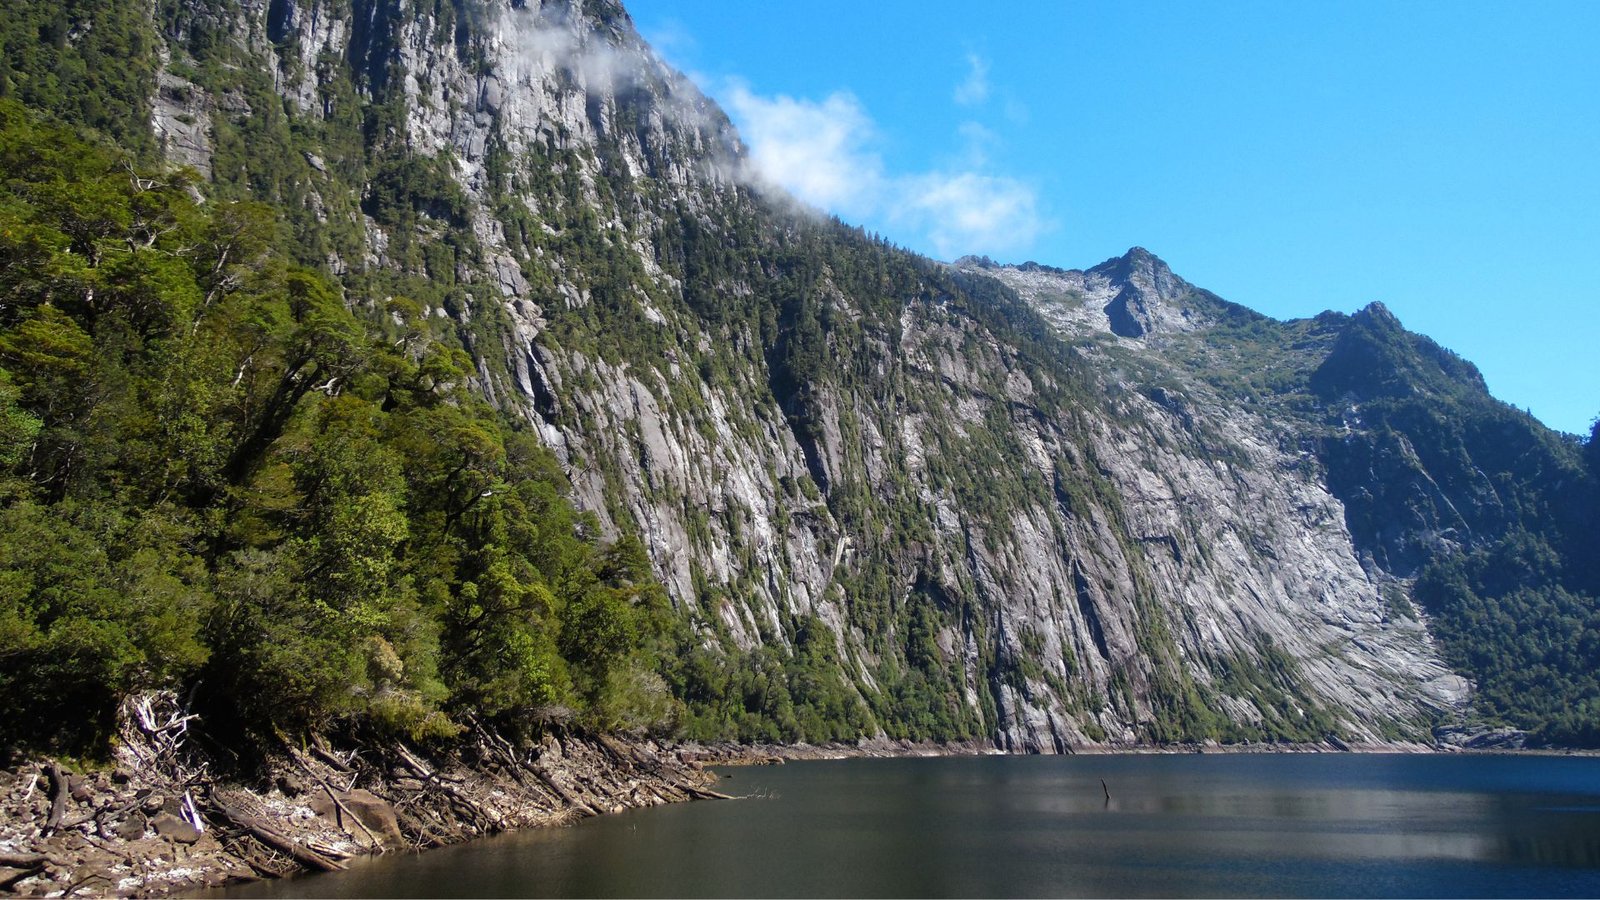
{"x": 1044, "y": 506}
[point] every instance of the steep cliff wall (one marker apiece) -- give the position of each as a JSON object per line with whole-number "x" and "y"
{"x": 1003, "y": 523}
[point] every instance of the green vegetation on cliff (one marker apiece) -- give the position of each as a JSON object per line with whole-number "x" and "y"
{"x": 217, "y": 476}
{"x": 86, "y": 61}
{"x": 1495, "y": 512}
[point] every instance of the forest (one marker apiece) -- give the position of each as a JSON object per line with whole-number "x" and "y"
{"x": 217, "y": 476}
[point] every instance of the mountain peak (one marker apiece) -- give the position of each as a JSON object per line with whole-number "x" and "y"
{"x": 1377, "y": 313}
{"x": 1141, "y": 266}
{"x": 1149, "y": 297}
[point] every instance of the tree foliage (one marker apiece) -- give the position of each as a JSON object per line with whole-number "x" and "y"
{"x": 1518, "y": 619}
{"x": 216, "y": 474}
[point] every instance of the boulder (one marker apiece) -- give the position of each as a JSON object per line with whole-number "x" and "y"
{"x": 371, "y": 810}
{"x": 132, "y": 828}
{"x": 175, "y": 829}
{"x": 291, "y": 784}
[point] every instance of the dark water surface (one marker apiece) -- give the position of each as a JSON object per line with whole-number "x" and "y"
{"x": 1213, "y": 825}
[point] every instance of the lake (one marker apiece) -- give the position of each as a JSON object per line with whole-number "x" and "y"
{"x": 1318, "y": 825}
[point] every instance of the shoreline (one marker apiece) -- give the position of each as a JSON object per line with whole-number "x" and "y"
{"x": 155, "y": 823}
{"x": 733, "y": 755}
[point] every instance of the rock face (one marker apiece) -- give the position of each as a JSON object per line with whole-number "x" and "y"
{"x": 1230, "y": 509}
{"x": 1132, "y": 296}
{"x": 182, "y": 123}
{"x": 1015, "y": 498}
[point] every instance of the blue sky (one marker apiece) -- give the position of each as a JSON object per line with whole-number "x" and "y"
{"x": 1443, "y": 158}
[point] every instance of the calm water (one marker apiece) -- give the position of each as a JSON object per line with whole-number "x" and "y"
{"x": 1214, "y": 825}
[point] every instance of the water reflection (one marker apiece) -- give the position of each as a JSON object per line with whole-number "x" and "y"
{"x": 1173, "y": 826}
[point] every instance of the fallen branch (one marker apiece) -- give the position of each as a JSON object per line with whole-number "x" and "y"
{"x": 58, "y": 802}
{"x": 327, "y": 755}
{"x": 571, "y": 801}
{"x": 263, "y": 833}
{"x": 263, "y": 864}
{"x": 191, "y": 814}
{"x": 495, "y": 820}
{"x": 493, "y": 744}
{"x": 305, "y": 766}
{"x": 328, "y": 851}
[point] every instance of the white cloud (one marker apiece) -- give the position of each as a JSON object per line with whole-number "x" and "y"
{"x": 545, "y": 41}
{"x": 975, "y": 89}
{"x": 816, "y": 151}
{"x": 822, "y": 153}
{"x": 967, "y": 212}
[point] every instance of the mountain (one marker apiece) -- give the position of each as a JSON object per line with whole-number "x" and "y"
{"x": 875, "y": 494}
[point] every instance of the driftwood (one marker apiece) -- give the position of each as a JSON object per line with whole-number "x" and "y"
{"x": 58, "y": 800}
{"x": 482, "y": 783}
{"x": 493, "y": 745}
{"x": 328, "y": 851}
{"x": 414, "y": 764}
{"x": 332, "y": 759}
{"x": 574, "y": 802}
{"x": 520, "y": 771}
{"x": 467, "y": 804}
{"x": 262, "y": 832}
{"x": 322, "y": 751}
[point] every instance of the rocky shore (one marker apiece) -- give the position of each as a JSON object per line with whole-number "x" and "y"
{"x": 156, "y": 821}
